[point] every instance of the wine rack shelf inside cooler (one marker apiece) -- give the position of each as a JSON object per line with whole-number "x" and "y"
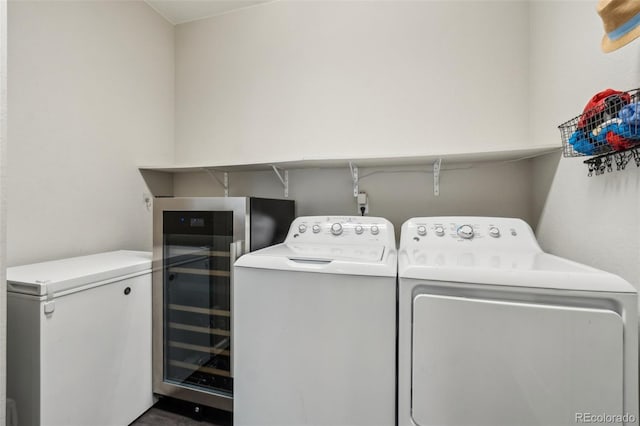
{"x": 198, "y": 329}
{"x": 200, "y": 368}
{"x": 210, "y": 272}
{"x": 205, "y": 349}
{"x": 218, "y": 312}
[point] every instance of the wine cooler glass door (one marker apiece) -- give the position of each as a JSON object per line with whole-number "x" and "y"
{"x": 197, "y": 299}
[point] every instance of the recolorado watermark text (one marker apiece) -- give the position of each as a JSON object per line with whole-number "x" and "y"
{"x": 605, "y": 418}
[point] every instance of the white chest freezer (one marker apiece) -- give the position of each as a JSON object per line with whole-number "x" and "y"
{"x": 79, "y": 340}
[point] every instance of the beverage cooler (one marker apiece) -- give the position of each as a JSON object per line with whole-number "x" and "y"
{"x": 195, "y": 243}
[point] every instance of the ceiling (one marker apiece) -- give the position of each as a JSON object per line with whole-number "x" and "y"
{"x": 181, "y": 11}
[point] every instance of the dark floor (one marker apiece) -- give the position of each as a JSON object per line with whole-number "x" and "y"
{"x": 176, "y": 413}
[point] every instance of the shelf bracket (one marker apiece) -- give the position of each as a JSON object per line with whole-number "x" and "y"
{"x": 354, "y": 177}
{"x": 436, "y": 176}
{"x": 284, "y": 180}
{"x": 223, "y": 183}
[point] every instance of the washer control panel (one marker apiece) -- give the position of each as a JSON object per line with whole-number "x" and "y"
{"x": 476, "y": 231}
{"x": 341, "y": 230}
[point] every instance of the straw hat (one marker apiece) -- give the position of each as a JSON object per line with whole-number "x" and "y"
{"x": 621, "y": 19}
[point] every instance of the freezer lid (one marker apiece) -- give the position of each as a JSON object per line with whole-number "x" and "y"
{"x": 53, "y": 277}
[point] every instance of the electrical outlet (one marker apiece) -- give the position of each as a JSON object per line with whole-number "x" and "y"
{"x": 147, "y": 199}
{"x": 363, "y": 202}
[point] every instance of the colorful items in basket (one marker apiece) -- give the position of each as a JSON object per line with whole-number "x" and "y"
{"x": 601, "y": 107}
{"x": 630, "y": 115}
{"x": 582, "y": 144}
{"x": 609, "y": 122}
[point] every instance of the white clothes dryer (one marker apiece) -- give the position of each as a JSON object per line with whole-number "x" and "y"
{"x": 314, "y": 326}
{"x": 493, "y": 331}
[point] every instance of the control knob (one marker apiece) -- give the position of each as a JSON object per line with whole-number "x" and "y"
{"x": 494, "y": 232}
{"x": 375, "y": 230}
{"x": 422, "y": 230}
{"x": 359, "y": 229}
{"x": 336, "y": 229}
{"x": 302, "y": 228}
{"x": 465, "y": 231}
{"x": 439, "y": 231}
{"x": 316, "y": 229}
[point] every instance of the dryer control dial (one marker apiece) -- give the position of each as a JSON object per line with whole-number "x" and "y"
{"x": 375, "y": 230}
{"x": 465, "y": 231}
{"x": 316, "y": 229}
{"x": 302, "y": 228}
{"x": 439, "y": 231}
{"x": 336, "y": 229}
{"x": 359, "y": 229}
{"x": 422, "y": 230}
{"x": 494, "y": 232}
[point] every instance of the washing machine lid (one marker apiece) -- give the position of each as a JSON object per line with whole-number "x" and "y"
{"x": 509, "y": 268}
{"x": 352, "y": 253}
{"x": 66, "y": 275}
{"x": 372, "y": 260}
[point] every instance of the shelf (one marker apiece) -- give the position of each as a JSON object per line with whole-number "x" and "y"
{"x": 195, "y": 367}
{"x": 184, "y": 308}
{"x": 197, "y": 329}
{"x": 160, "y": 178}
{"x": 317, "y": 162}
{"x": 193, "y": 271}
{"x": 199, "y": 348}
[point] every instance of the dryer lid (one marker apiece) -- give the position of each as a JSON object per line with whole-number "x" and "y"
{"x": 65, "y": 275}
{"x": 510, "y": 268}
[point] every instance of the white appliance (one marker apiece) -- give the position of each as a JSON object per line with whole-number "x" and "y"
{"x": 493, "y": 331}
{"x": 79, "y": 340}
{"x": 314, "y": 326}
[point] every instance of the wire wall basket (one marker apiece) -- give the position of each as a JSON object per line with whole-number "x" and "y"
{"x": 608, "y": 129}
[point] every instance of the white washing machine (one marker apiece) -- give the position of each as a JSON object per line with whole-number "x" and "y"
{"x": 314, "y": 326}
{"x": 493, "y": 331}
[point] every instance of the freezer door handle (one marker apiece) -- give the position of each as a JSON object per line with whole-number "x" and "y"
{"x": 26, "y": 288}
{"x": 39, "y": 288}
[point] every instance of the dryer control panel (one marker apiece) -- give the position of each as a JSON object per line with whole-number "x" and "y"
{"x": 470, "y": 231}
{"x": 342, "y": 230}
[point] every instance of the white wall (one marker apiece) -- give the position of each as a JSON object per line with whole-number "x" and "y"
{"x": 91, "y": 96}
{"x": 543, "y": 170}
{"x": 294, "y": 79}
{"x": 394, "y": 193}
{"x": 594, "y": 220}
